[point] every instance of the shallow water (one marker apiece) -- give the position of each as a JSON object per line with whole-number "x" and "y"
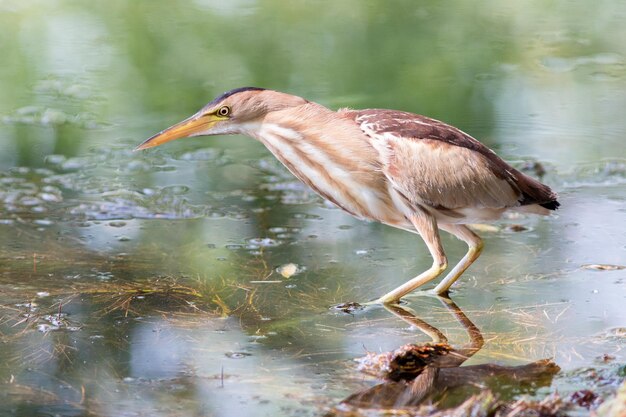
{"x": 198, "y": 278}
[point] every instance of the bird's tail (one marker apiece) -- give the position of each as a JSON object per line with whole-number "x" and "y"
{"x": 535, "y": 193}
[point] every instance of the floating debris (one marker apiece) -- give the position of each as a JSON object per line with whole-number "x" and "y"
{"x": 55, "y": 322}
{"x": 404, "y": 363}
{"x": 237, "y": 355}
{"x": 584, "y": 398}
{"x": 516, "y": 228}
{"x": 289, "y": 270}
{"x": 603, "y": 267}
{"x": 551, "y": 406}
{"x": 607, "y": 358}
{"x": 534, "y": 167}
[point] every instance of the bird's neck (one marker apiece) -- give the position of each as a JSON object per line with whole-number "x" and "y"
{"x": 330, "y": 154}
{"x": 310, "y": 126}
{"x": 315, "y": 135}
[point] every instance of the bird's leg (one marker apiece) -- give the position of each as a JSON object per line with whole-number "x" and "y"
{"x": 475, "y": 244}
{"x": 426, "y": 226}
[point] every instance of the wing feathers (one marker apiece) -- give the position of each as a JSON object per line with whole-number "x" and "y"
{"x": 433, "y": 163}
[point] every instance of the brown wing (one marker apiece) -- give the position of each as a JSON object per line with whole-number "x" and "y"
{"x": 434, "y": 163}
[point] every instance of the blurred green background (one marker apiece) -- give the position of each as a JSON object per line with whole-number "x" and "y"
{"x": 529, "y": 78}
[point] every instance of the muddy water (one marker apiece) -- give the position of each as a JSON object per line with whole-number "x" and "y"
{"x": 118, "y": 298}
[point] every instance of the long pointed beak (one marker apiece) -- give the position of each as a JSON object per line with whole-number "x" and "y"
{"x": 193, "y": 126}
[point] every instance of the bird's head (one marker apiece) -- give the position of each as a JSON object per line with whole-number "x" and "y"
{"x": 236, "y": 111}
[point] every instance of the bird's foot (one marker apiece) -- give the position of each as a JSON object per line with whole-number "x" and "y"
{"x": 349, "y": 307}
{"x": 353, "y": 307}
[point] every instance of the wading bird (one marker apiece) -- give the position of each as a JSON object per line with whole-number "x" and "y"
{"x": 401, "y": 169}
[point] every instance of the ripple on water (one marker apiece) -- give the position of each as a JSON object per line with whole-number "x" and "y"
{"x": 284, "y": 233}
{"x": 117, "y": 224}
{"x": 23, "y": 193}
{"x": 29, "y": 201}
{"x": 126, "y": 209}
{"x": 605, "y": 173}
{"x": 50, "y": 197}
{"x": 48, "y": 116}
{"x": 233, "y": 246}
{"x": 43, "y": 222}
{"x": 100, "y": 186}
{"x": 609, "y": 62}
{"x": 262, "y": 242}
{"x": 216, "y": 156}
{"x": 55, "y": 322}
{"x": 175, "y": 190}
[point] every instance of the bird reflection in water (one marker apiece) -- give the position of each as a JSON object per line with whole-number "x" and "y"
{"x": 421, "y": 375}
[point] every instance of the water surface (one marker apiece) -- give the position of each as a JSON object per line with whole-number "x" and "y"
{"x": 197, "y": 278}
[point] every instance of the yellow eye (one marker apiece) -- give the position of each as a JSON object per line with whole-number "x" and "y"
{"x": 223, "y": 111}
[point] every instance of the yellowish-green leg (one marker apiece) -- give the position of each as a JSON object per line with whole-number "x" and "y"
{"x": 475, "y": 244}
{"x": 426, "y": 226}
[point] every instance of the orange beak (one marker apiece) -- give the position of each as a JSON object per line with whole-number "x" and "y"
{"x": 196, "y": 125}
